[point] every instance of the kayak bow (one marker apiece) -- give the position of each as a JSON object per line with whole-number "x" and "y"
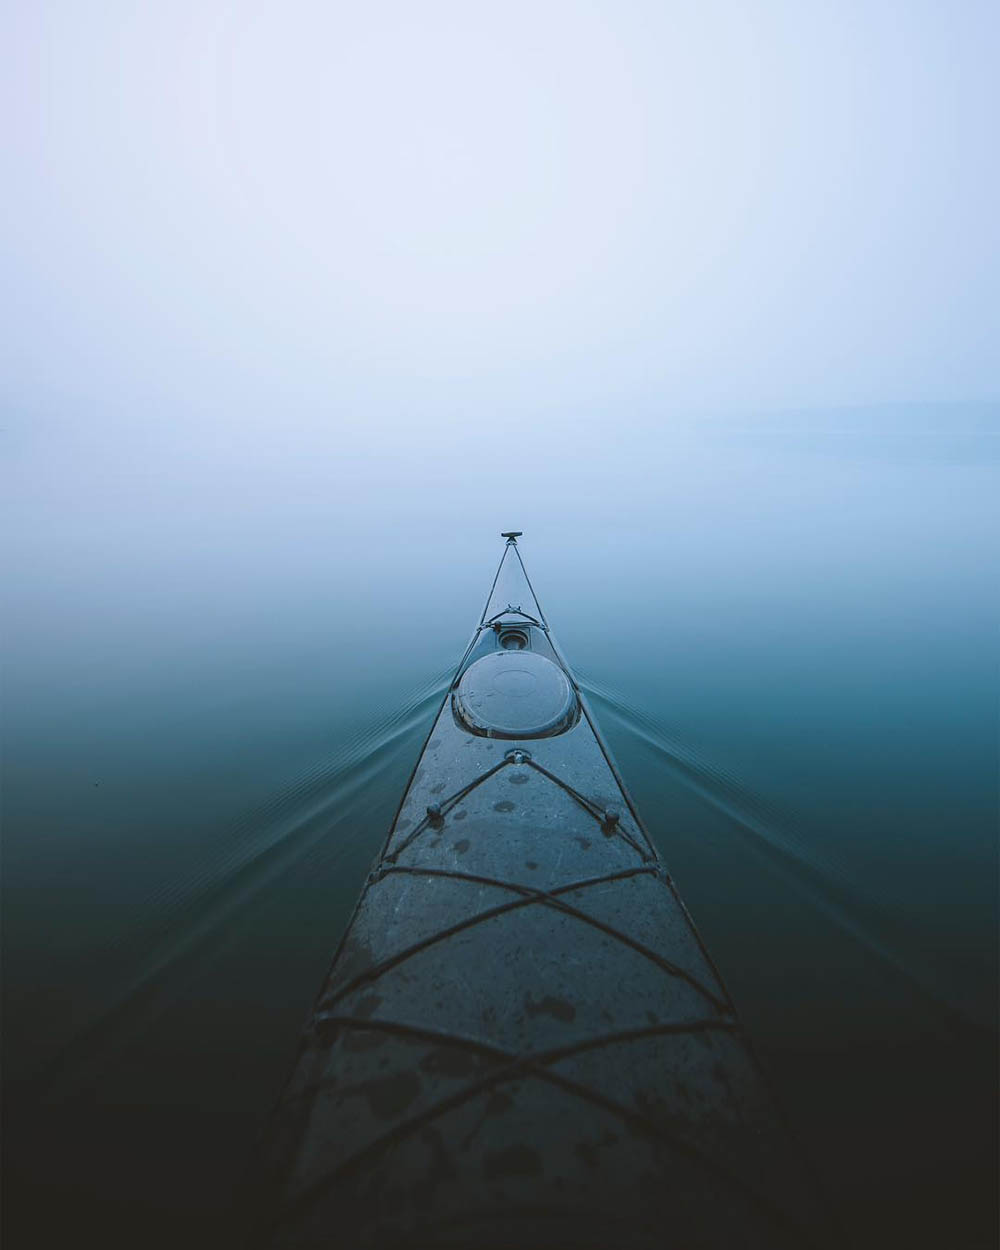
{"x": 521, "y": 1040}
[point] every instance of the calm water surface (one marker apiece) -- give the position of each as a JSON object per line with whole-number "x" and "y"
{"x": 225, "y": 650}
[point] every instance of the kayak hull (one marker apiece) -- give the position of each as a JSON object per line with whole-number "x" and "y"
{"x": 521, "y": 1040}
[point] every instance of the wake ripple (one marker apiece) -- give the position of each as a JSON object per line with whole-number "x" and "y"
{"x": 255, "y": 851}
{"x": 827, "y": 884}
{"x": 335, "y": 794}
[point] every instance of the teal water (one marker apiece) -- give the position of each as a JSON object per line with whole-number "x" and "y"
{"x": 223, "y": 655}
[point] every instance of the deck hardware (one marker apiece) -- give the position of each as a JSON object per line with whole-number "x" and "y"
{"x": 434, "y": 814}
{"x": 609, "y": 824}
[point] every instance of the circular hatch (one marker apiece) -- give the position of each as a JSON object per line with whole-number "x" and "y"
{"x": 515, "y": 694}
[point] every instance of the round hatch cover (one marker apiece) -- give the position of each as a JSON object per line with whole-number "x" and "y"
{"x": 515, "y": 694}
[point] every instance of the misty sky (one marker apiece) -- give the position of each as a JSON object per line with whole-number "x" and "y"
{"x": 303, "y": 303}
{"x": 337, "y": 213}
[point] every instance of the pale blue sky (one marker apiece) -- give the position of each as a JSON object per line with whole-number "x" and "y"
{"x": 326, "y": 215}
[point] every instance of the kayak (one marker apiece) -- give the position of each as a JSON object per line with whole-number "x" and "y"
{"x": 522, "y": 1041}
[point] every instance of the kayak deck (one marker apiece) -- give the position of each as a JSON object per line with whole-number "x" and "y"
{"x": 521, "y": 1039}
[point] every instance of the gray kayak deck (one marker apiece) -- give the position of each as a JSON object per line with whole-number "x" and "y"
{"x": 521, "y": 1040}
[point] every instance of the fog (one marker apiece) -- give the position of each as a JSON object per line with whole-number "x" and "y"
{"x": 336, "y": 216}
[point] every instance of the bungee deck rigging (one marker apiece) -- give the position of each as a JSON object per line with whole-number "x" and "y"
{"x": 521, "y": 1040}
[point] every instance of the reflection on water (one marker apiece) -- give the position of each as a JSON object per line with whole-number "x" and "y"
{"x": 223, "y": 667}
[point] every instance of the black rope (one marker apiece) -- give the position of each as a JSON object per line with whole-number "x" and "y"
{"x": 469, "y": 922}
{"x": 484, "y": 624}
{"x": 510, "y": 610}
{"x": 588, "y": 717}
{"x": 550, "y": 899}
{"x": 468, "y": 651}
{"x": 541, "y": 613}
{"x": 598, "y": 813}
{"x": 496, "y": 578}
{"x": 444, "y": 806}
{"x": 327, "y": 1026}
{"x": 536, "y": 1064}
{"x": 593, "y": 809}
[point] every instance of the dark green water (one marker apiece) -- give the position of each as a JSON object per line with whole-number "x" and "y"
{"x": 221, "y": 667}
